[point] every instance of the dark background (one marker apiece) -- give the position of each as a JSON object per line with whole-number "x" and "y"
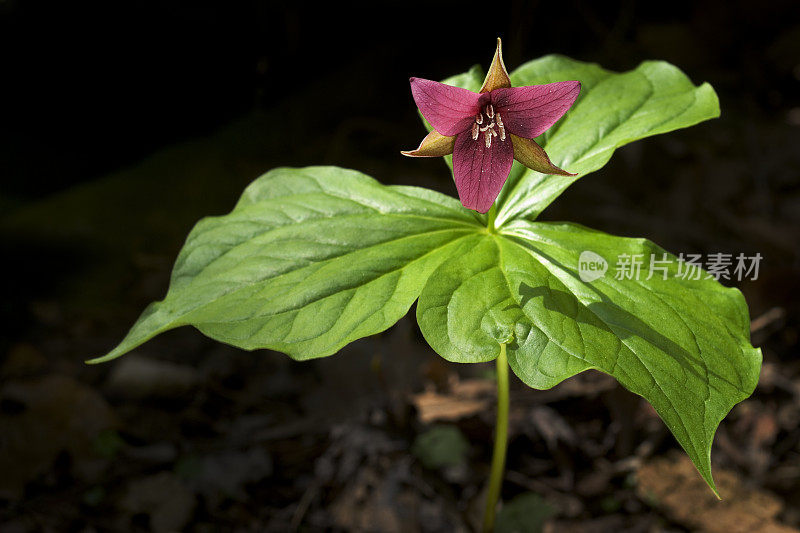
{"x": 123, "y": 123}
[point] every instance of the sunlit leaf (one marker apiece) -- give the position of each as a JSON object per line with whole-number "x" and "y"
{"x": 682, "y": 344}
{"x": 308, "y": 261}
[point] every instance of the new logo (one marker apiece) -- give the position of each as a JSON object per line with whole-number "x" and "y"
{"x": 591, "y": 266}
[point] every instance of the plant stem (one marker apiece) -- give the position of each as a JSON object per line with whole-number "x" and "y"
{"x": 500, "y": 442}
{"x": 490, "y": 218}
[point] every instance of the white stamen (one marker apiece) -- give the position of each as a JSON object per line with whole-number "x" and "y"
{"x": 487, "y": 125}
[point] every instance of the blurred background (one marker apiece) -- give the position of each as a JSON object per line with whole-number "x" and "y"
{"x": 123, "y": 123}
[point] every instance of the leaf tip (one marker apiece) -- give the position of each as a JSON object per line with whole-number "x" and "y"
{"x": 710, "y": 482}
{"x": 705, "y": 473}
{"x": 102, "y": 359}
{"x": 94, "y": 361}
{"x": 715, "y": 109}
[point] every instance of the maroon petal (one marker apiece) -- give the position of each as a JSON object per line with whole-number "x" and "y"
{"x": 450, "y": 110}
{"x": 481, "y": 171}
{"x": 530, "y": 111}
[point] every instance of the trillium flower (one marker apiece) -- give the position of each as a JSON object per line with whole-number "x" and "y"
{"x": 487, "y": 130}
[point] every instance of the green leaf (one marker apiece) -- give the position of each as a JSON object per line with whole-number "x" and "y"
{"x": 526, "y": 513}
{"x": 612, "y": 110}
{"x": 441, "y": 446}
{"x": 308, "y": 261}
{"x": 471, "y": 79}
{"x": 681, "y": 344}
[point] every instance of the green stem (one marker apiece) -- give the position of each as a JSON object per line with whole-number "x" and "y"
{"x": 491, "y": 216}
{"x": 500, "y": 441}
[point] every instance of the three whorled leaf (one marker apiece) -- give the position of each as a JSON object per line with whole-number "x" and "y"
{"x": 312, "y": 259}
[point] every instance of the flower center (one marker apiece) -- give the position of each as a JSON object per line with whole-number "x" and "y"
{"x": 485, "y": 122}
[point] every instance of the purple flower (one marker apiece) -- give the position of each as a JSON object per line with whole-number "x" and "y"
{"x": 487, "y": 130}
